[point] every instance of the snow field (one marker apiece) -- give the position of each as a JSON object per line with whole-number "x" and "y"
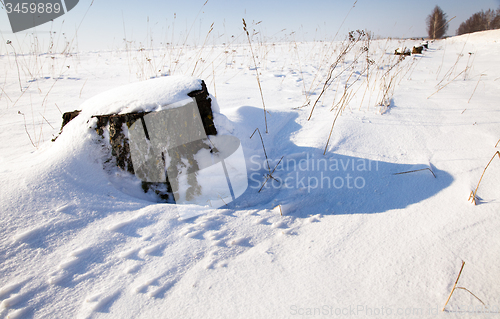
{"x": 74, "y": 245}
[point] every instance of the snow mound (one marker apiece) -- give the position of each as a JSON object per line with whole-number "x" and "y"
{"x": 481, "y": 37}
{"x": 79, "y": 136}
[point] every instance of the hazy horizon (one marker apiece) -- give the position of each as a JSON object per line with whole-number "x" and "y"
{"x": 104, "y": 25}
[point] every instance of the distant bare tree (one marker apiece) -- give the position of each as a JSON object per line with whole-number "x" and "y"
{"x": 480, "y": 21}
{"x": 436, "y": 23}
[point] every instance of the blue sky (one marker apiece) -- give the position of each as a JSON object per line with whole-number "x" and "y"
{"x": 105, "y": 24}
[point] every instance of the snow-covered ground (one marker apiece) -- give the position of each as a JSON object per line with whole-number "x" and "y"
{"x": 333, "y": 235}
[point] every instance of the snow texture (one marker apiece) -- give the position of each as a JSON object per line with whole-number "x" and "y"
{"x": 341, "y": 235}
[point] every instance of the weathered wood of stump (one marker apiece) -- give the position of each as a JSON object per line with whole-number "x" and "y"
{"x": 417, "y": 50}
{"x": 404, "y": 52}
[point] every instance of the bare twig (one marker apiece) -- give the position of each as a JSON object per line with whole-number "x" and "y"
{"x": 473, "y": 194}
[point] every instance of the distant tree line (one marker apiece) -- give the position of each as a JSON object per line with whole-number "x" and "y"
{"x": 480, "y": 21}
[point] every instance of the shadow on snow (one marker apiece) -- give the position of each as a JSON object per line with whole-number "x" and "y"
{"x": 306, "y": 182}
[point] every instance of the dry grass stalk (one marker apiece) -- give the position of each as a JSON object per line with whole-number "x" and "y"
{"x": 300, "y": 65}
{"x": 331, "y": 130}
{"x": 352, "y": 41}
{"x": 346, "y": 98}
{"x": 369, "y": 62}
{"x": 472, "y": 195}
{"x": 26, "y": 128}
{"x": 58, "y": 109}
{"x": 442, "y": 87}
{"x": 339, "y": 111}
{"x": 3, "y": 92}
{"x": 455, "y": 285}
{"x": 468, "y": 68}
{"x": 348, "y": 94}
{"x": 80, "y": 96}
{"x": 324, "y": 58}
{"x": 256, "y": 72}
{"x": 221, "y": 200}
{"x": 417, "y": 170}
{"x": 226, "y": 51}
{"x": 17, "y": 64}
{"x": 335, "y": 96}
{"x": 475, "y": 88}
{"x": 388, "y": 88}
{"x": 46, "y": 121}
{"x": 281, "y": 211}
{"x": 497, "y": 143}
{"x": 213, "y": 79}
{"x": 453, "y": 67}
{"x": 364, "y": 94}
{"x": 463, "y": 288}
{"x": 265, "y": 154}
{"x": 187, "y": 36}
{"x": 270, "y": 175}
{"x": 411, "y": 67}
{"x": 442, "y": 61}
{"x": 198, "y": 58}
